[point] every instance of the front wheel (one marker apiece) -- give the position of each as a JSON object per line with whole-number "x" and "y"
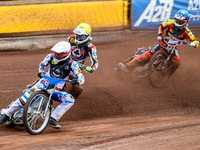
{"x": 159, "y": 68}
{"x": 36, "y": 115}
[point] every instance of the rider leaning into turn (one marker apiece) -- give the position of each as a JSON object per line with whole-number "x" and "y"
{"x": 82, "y": 48}
{"x": 175, "y": 28}
{"x": 60, "y": 66}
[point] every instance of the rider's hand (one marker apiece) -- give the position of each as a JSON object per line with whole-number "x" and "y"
{"x": 159, "y": 38}
{"x": 75, "y": 81}
{"x": 81, "y": 65}
{"x": 192, "y": 44}
{"x": 88, "y": 69}
{"x": 41, "y": 74}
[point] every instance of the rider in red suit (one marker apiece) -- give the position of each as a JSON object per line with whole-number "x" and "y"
{"x": 175, "y": 28}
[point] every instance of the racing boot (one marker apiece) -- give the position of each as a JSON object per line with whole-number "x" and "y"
{"x": 3, "y": 118}
{"x": 52, "y": 123}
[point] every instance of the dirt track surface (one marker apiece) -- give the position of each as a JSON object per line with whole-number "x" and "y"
{"x": 115, "y": 111}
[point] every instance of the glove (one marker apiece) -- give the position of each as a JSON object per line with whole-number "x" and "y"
{"x": 159, "y": 38}
{"x": 81, "y": 66}
{"x": 41, "y": 74}
{"x": 75, "y": 81}
{"x": 88, "y": 69}
{"x": 192, "y": 44}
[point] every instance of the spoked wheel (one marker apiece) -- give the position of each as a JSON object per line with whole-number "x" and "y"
{"x": 36, "y": 115}
{"x": 159, "y": 69}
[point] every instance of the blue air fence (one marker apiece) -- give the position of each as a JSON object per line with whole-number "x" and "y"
{"x": 147, "y": 14}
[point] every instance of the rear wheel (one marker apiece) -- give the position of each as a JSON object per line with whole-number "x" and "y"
{"x": 159, "y": 68}
{"x": 34, "y": 116}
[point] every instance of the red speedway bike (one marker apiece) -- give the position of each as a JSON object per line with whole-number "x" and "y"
{"x": 158, "y": 68}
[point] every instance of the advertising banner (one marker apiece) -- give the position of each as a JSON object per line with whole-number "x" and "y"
{"x": 148, "y": 14}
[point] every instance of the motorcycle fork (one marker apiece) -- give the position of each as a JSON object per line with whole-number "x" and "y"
{"x": 48, "y": 103}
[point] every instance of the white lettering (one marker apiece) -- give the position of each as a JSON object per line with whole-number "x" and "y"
{"x": 149, "y": 10}
{"x": 166, "y": 9}
{"x": 195, "y": 17}
{"x": 155, "y": 18}
{"x": 194, "y": 5}
{"x": 155, "y": 13}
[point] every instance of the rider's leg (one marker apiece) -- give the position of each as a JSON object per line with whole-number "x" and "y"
{"x": 141, "y": 58}
{"x": 12, "y": 108}
{"x": 144, "y": 57}
{"x": 67, "y": 101}
{"x": 20, "y": 102}
{"x": 15, "y": 106}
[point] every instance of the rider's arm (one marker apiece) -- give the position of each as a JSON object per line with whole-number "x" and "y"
{"x": 43, "y": 64}
{"x": 77, "y": 72}
{"x": 164, "y": 25}
{"x": 190, "y": 36}
{"x": 93, "y": 57}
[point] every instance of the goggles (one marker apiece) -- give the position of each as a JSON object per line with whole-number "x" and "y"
{"x": 81, "y": 37}
{"x": 60, "y": 55}
{"x": 180, "y": 22}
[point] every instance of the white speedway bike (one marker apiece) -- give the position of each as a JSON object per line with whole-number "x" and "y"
{"x": 37, "y": 110}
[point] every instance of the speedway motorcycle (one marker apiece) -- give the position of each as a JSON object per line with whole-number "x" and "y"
{"x": 158, "y": 68}
{"x": 160, "y": 64}
{"x": 37, "y": 110}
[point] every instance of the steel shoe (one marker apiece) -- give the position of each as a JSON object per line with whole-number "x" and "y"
{"x": 122, "y": 67}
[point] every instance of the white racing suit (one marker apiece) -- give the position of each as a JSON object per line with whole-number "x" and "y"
{"x": 80, "y": 53}
{"x": 62, "y": 71}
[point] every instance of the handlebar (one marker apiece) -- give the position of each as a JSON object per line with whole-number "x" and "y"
{"x": 184, "y": 42}
{"x": 174, "y": 41}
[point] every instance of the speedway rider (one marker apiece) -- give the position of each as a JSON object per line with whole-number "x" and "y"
{"x": 82, "y": 48}
{"x": 175, "y": 28}
{"x": 60, "y": 66}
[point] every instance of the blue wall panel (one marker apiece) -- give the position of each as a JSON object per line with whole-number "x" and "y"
{"x": 147, "y": 14}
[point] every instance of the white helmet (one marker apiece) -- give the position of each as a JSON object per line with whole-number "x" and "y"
{"x": 82, "y": 33}
{"x": 62, "y": 51}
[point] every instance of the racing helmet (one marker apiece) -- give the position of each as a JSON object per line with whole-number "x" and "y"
{"x": 82, "y": 33}
{"x": 62, "y": 51}
{"x": 181, "y": 18}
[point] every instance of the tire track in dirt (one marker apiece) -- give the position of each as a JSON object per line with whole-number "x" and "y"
{"x": 166, "y": 118}
{"x": 93, "y": 133}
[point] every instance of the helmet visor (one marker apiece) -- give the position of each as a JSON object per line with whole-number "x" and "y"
{"x": 81, "y": 37}
{"x": 180, "y": 22}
